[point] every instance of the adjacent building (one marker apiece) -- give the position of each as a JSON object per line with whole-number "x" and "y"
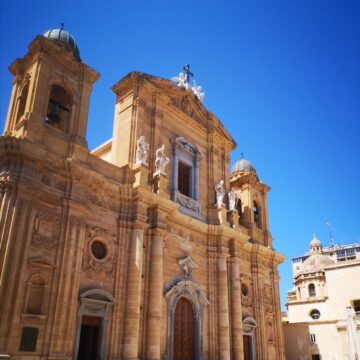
{"x": 326, "y": 289}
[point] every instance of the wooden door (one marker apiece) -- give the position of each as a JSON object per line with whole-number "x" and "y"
{"x": 184, "y": 331}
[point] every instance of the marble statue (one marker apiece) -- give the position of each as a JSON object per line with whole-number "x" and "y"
{"x": 220, "y": 193}
{"x": 180, "y": 80}
{"x": 232, "y": 200}
{"x": 141, "y": 151}
{"x": 161, "y": 160}
{"x": 197, "y": 91}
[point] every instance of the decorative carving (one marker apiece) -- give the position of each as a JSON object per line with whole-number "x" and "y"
{"x": 247, "y": 297}
{"x": 46, "y": 231}
{"x": 270, "y": 327}
{"x": 187, "y": 202}
{"x": 142, "y": 151}
{"x": 100, "y": 264}
{"x": 186, "y": 266}
{"x": 268, "y": 299}
{"x": 161, "y": 160}
{"x": 220, "y": 193}
{"x": 184, "y": 104}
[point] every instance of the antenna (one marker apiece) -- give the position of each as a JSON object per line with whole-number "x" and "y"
{"x": 330, "y": 233}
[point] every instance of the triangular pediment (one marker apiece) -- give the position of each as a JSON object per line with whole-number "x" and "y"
{"x": 178, "y": 98}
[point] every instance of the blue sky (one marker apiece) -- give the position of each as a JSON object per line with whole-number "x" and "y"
{"x": 282, "y": 76}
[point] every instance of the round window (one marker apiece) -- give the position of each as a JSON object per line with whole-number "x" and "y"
{"x": 315, "y": 314}
{"x": 98, "y": 250}
{"x": 244, "y": 290}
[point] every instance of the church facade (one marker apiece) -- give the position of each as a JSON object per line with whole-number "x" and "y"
{"x": 144, "y": 248}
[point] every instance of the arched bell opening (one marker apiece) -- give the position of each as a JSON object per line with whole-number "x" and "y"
{"x": 22, "y": 102}
{"x": 256, "y": 213}
{"x": 59, "y": 108}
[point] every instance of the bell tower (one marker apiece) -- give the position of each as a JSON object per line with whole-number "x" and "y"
{"x": 252, "y": 201}
{"x": 51, "y": 91}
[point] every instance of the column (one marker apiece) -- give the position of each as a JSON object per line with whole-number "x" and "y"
{"x": 236, "y": 314}
{"x": 133, "y": 298}
{"x": 153, "y": 338}
{"x": 260, "y": 336}
{"x": 223, "y": 310}
{"x": 279, "y": 335}
{"x": 174, "y": 169}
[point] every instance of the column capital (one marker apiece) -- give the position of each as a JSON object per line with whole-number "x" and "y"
{"x": 137, "y": 224}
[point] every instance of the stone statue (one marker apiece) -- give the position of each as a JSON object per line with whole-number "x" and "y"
{"x": 220, "y": 193}
{"x": 232, "y": 200}
{"x": 197, "y": 91}
{"x": 161, "y": 160}
{"x": 141, "y": 151}
{"x": 180, "y": 80}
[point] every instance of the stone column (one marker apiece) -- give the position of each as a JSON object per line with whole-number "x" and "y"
{"x": 279, "y": 335}
{"x": 153, "y": 338}
{"x": 260, "y": 336}
{"x": 223, "y": 309}
{"x": 132, "y": 312}
{"x": 236, "y": 315}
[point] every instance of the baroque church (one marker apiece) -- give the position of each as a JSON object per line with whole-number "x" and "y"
{"x": 147, "y": 247}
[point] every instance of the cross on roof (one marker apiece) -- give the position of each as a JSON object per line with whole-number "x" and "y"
{"x": 188, "y": 73}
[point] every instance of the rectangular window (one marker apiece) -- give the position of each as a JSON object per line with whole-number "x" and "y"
{"x": 357, "y": 307}
{"x": 184, "y": 179}
{"x": 28, "y": 340}
{"x": 312, "y": 338}
{"x": 315, "y": 357}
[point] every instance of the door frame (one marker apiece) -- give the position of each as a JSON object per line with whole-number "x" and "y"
{"x": 190, "y": 291}
{"x": 96, "y": 303}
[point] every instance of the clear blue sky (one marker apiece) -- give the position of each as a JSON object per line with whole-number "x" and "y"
{"x": 283, "y": 77}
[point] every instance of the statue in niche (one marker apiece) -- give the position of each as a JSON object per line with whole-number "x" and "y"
{"x": 161, "y": 160}
{"x": 141, "y": 151}
{"x": 232, "y": 200}
{"x": 220, "y": 193}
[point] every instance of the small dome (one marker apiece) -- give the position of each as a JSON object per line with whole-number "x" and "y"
{"x": 243, "y": 165}
{"x": 315, "y": 263}
{"x": 65, "y": 37}
{"x": 315, "y": 241}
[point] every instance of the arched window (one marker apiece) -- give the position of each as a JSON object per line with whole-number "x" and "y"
{"x": 35, "y": 296}
{"x": 59, "y": 107}
{"x": 312, "y": 291}
{"x": 256, "y": 211}
{"x": 22, "y": 102}
{"x": 240, "y": 210}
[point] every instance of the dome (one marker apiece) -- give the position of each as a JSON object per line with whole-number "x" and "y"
{"x": 243, "y": 165}
{"x": 315, "y": 263}
{"x": 65, "y": 37}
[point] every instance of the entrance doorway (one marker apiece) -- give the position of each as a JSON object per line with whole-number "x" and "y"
{"x": 184, "y": 331}
{"x": 89, "y": 347}
{"x": 247, "y": 341}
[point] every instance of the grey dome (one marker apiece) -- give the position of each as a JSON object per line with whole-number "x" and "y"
{"x": 65, "y": 37}
{"x": 315, "y": 263}
{"x": 243, "y": 165}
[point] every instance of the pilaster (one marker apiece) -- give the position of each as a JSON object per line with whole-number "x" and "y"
{"x": 236, "y": 312}
{"x": 223, "y": 309}
{"x": 153, "y": 337}
{"x": 132, "y": 314}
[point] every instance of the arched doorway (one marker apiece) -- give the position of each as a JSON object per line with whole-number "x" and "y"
{"x": 184, "y": 331}
{"x": 249, "y": 326}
